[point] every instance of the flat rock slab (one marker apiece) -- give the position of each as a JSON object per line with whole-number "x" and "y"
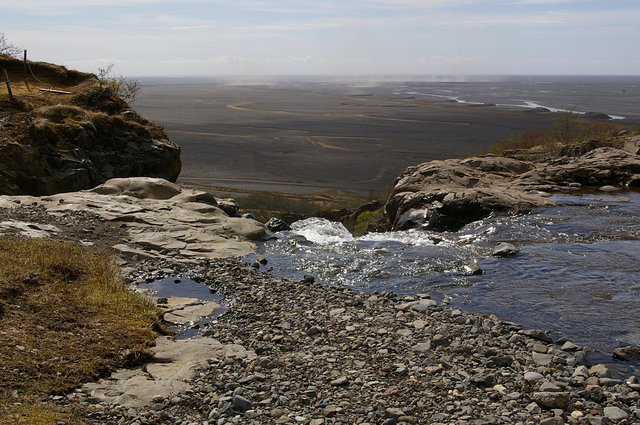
{"x": 182, "y": 314}
{"x": 161, "y": 218}
{"x": 29, "y": 230}
{"x": 176, "y": 362}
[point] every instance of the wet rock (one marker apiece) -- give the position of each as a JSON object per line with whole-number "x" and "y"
{"x": 628, "y": 353}
{"x": 276, "y": 225}
{"x": 539, "y": 335}
{"x": 600, "y": 370}
{"x": 504, "y": 249}
{"x": 472, "y": 269}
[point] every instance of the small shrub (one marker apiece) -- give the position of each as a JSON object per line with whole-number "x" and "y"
{"x": 8, "y": 48}
{"x": 117, "y": 84}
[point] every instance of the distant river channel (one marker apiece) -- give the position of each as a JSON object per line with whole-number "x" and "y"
{"x": 577, "y": 274}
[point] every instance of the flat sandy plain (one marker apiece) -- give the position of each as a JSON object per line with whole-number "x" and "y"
{"x": 306, "y": 138}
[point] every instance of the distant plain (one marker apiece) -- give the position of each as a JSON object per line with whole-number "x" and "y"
{"x": 306, "y": 136}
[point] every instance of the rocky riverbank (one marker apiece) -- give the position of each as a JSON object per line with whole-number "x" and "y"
{"x": 313, "y": 354}
{"x": 289, "y": 352}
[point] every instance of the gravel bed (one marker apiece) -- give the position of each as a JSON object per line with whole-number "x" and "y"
{"x": 330, "y": 355}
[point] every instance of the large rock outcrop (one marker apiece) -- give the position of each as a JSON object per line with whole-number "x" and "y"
{"x": 446, "y": 195}
{"x": 53, "y": 142}
{"x": 159, "y": 217}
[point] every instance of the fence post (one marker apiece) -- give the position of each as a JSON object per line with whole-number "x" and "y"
{"x": 6, "y": 79}
{"x": 24, "y": 71}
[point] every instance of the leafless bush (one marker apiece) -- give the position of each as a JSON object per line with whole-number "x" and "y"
{"x": 117, "y": 84}
{"x": 8, "y": 48}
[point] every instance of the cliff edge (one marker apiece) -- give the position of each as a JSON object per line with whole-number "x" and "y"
{"x": 65, "y": 131}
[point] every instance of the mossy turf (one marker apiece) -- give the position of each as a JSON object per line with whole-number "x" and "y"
{"x": 66, "y": 318}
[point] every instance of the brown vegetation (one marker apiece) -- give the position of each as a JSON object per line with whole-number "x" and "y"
{"x": 66, "y": 318}
{"x": 569, "y": 131}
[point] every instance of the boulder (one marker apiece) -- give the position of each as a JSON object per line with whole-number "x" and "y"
{"x": 140, "y": 187}
{"x": 598, "y": 167}
{"x": 446, "y": 195}
{"x": 632, "y": 145}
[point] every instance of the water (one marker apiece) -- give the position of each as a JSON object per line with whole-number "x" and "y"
{"x": 577, "y": 275}
{"x": 616, "y": 96}
{"x": 182, "y": 286}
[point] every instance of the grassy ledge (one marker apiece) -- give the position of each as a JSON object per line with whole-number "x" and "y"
{"x": 570, "y": 133}
{"x": 66, "y": 317}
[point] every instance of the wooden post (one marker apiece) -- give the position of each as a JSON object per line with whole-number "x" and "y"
{"x": 24, "y": 72}
{"x": 6, "y": 79}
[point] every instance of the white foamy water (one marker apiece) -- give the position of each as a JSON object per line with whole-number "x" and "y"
{"x": 321, "y": 231}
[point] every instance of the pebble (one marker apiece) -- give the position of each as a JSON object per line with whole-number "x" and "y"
{"x": 533, "y": 376}
{"x": 556, "y": 420}
{"x": 615, "y": 413}
{"x": 551, "y": 400}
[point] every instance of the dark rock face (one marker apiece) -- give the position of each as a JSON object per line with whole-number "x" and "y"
{"x": 67, "y": 149}
{"x": 447, "y": 195}
{"x": 627, "y": 353}
{"x": 276, "y": 225}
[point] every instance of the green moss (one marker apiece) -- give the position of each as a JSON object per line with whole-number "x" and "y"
{"x": 366, "y": 220}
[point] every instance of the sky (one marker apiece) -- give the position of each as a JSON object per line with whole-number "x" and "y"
{"x": 330, "y": 37}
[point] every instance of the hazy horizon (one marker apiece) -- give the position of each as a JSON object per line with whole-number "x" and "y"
{"x": 313, "y": 37}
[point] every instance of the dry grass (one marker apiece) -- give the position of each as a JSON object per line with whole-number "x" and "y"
{"x": 569, "y": 129}
{"x": 66, "y": 318}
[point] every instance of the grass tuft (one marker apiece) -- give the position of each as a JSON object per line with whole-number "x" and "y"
{"x": 568, "y": 130}
{"x": 66, "y": 318}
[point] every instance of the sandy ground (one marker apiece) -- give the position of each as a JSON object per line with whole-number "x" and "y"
{"x": 243, "y": 138}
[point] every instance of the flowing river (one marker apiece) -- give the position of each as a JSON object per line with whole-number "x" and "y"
{"x": 577, "y": 274}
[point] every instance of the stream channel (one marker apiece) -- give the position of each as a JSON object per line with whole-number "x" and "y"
{"x": 577, "y": 274}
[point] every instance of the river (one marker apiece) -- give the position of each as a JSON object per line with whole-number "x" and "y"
{"x": 577, "y": 274}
